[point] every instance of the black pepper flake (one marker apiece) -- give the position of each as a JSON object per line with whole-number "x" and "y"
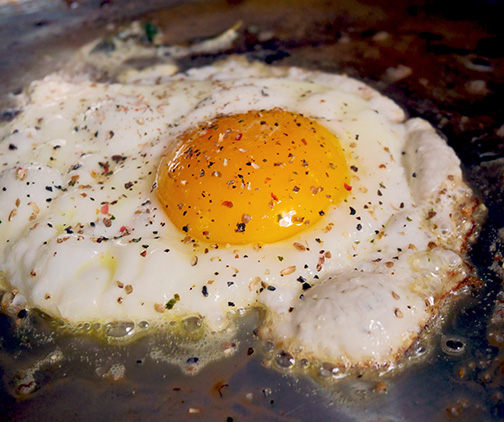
{"x": 379, "y": 192}
{"x": 230, "y": 283}
{"x": 250, "y": 351}
{"x": 321, "y": 212}
{"x": 359, "y": 226}
{"x": 185, "y": 228}
{"x": 240, "y": 227}
{"x": 192, "y": 360}
{"x": 128, "y": 185}
{"x": 12, "y": 147}
{"x": 306, "y": 286}
{"x": 301, "y": 279}
{"x": 231, "y": 304}
{"x": 352, "y": 211}
{"x": 354, "y": 168}
{"x": 271, "y": 288}
{"x": 204, "y": 290}
{"x": 413, "y": 175}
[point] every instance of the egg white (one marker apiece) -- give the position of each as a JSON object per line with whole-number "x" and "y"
{"x": 83, "y": 237}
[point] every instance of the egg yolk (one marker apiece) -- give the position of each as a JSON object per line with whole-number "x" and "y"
{"x": 256, "y": 177}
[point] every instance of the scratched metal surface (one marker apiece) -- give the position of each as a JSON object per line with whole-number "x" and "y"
{"x": 453, "y": 60}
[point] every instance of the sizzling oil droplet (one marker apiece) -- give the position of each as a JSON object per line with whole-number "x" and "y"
{"x": 285, "y": 360}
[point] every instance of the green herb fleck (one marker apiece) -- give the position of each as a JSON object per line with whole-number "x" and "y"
{"x": 171, "y": 303}
{"x": 150, "y": 31}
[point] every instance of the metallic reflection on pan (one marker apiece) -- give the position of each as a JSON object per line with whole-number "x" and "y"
{"x": 440, "y": 62}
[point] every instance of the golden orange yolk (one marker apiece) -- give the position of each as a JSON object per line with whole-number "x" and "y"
{"x": 256, "y": 177}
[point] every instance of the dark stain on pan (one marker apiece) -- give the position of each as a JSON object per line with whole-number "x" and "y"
{"x": 443, "y": 61}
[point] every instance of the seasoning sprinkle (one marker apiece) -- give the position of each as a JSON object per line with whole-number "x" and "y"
{"x": 299, "y": 246}
{"x": 288, "y": 270}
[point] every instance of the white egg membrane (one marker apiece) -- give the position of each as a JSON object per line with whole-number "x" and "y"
{"x": 83, "y": 237}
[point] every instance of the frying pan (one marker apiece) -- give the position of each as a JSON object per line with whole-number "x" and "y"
{"x": 442, "y": 61}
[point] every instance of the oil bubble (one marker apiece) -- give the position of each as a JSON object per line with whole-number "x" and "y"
{"x": 452, "y": 345}
{"x": 119, "y": 329}
{"x": 284, "y": 360}
{"x": 192, "y": 324}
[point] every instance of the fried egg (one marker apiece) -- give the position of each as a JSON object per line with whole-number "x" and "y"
{"x": 232, "y": 186}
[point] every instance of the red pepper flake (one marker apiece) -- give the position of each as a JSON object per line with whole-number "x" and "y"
{"x": 144, "y": 253}
{"x": 122, "y": 229}
{"x": 267, "y": 179}
{"x": 275, "y": 198}
{"x": 228, "y": 204}
{"x": 320, "y": 263}
{"x": 159, "y": 307}
{"x": 104, "y": 209}
{"x": 288, "y": 270}
{"x": 21, "y": 173}
{"x": 238, "y": 137}
{"x": 348, "y": 187}
{"x": 431, "y": 215}
{"x": 303, "y": 140}
{"x": 299, "y": 246}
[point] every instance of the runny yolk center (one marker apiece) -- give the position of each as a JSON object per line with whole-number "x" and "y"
{"x": 256, "y": 177}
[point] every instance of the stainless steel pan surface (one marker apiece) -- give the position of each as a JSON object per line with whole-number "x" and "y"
{"x": 442, "y": 61}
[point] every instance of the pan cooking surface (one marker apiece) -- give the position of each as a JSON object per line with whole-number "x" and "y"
{"x": 443, "y": 63}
